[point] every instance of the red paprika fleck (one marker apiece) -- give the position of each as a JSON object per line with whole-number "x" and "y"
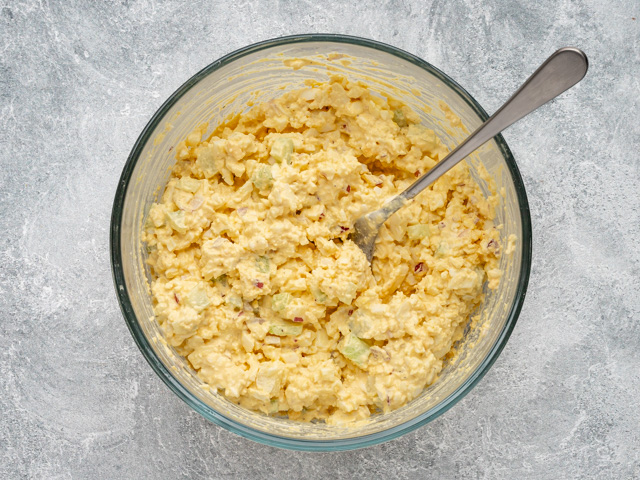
{"x": 344, "y": 229}
{"x": 298, "y": 320}
{"x": 417, "y": 174}
{"x": 350, "y": 312}
{"x": 348, "y": 188}
{"x": 177, "y": 299}
{"x": 419, "y": 267}
{"x": 259, "y": 284}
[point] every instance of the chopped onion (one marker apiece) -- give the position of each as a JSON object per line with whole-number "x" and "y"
{"x": 271, "y": 340}
{"x": 196, "y": 202}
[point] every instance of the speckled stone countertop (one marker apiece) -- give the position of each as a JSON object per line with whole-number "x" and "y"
{"x": 78, "y": 82}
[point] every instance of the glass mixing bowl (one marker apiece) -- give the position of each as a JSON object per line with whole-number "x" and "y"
{"x": 257, "y": 73}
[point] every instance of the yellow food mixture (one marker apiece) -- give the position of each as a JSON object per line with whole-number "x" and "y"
{"x": 256, "y": 282}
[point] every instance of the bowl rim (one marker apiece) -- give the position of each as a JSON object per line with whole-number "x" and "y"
{"x": 276, "y": 440}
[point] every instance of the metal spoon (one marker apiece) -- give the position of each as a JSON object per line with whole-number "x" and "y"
{"x": 558, "y": 73}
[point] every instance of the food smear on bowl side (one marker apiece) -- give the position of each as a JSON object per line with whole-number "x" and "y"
{"x": 256, "y": 282}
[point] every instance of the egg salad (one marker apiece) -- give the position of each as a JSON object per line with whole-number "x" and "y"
{"x": 255, "y": 279}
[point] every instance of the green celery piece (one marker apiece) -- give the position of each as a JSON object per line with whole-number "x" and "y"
{"x": 416, "y": 232}
{"x": 263, "y": 264}
{"x": 280, "y": 301}
{"x": 176, "y": 221}
{"x": 262, "y": 177}
{"x": 399, "y": 118}
{"x": 285, "y": 329}
{"x": 319, "y": 295}
{"x": 234, "y": 300}
{"x": 442, "y": 250}
{"x": 273, "y": 406}
{"x": 282, "y": 149}
{"x": 354, "y": 349}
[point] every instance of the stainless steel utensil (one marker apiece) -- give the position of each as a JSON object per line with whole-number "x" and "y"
{"x": 558, "y": 73}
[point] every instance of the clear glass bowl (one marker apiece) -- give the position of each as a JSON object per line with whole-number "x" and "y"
{"x": 257, "y": 73}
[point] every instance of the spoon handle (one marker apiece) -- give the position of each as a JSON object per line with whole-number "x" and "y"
{"x": 558, "y": 73}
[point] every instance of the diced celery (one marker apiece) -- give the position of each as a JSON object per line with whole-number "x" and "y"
{"x": 198, "y": 298}
{"x": 273, "y": 406}
{"x": 176, "y": 221}
{"x": 399, "y": 118}
{"x": 319, "y": 295}
{"x": 285, "y": 329}
{"x": 282, "y": 149}
{"x": 222, "y": 280}
{"x": 416, "y": 232}
{"x": 263, "y": 264}
{"x": 442, "y": 250}
{"x": 262, "y": 177}
{"x": 280, "y": 301}
{"x": 354, "y": 349}
{"x": 234, "y": 300}
{"x": 188, "y": 184}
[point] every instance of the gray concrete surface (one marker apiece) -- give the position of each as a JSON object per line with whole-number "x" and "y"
{"x": 78, "y": 82}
